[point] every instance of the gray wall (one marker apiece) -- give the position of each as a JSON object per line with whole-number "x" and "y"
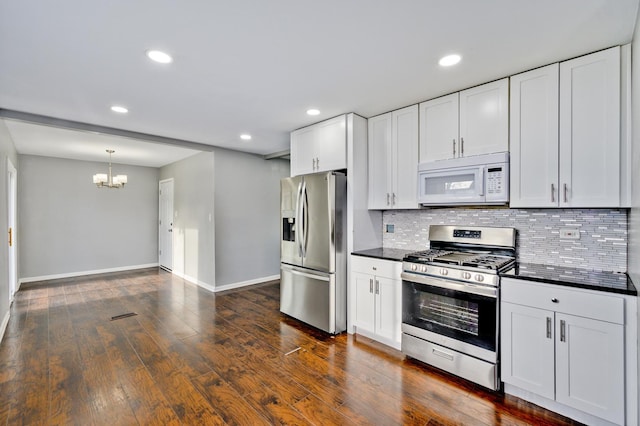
{"x": 68, "y": 225}
{"x": 193, "y": 205}
{"x": 247, "y": 211}
{"x": 7, "y": 150}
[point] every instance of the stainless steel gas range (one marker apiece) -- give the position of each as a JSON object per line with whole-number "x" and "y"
{"x": 450, "y": 300}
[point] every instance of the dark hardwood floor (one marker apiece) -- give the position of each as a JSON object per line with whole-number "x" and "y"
{"x": 192, "y": 357}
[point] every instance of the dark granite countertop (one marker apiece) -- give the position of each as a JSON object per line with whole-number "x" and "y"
{"x": 384, "y": 253}
{"x": 611, "y": 282}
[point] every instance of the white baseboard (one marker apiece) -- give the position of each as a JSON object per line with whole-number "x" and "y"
{"x": 194, "y": 280}
{"x": 246, "y": 283}
{"x": 81, "y": 273}
{"x": 5, "y": 323}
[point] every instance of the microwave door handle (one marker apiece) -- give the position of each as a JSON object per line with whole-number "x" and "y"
{"x": 481, "y": 181}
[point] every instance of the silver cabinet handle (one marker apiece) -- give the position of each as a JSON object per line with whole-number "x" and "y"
{"x": 554, "y": 300}
{"x": 377, "y": 287}
{"x": 370, "y": 285}
{"x": 454, "y": 148}
{"x": 317, "y": 163}
{"x": 563, "y": 337}
{"x": 548, "y": 327}
{"x": 565, "y": 192}
{"x": 461, "y": 147}
{"x": 393, "y": 199}
{"x": 553, "y": 190}
{"x": 388, "y": 196}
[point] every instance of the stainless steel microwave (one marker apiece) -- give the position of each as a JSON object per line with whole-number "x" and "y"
{"x": 477, "y": 180}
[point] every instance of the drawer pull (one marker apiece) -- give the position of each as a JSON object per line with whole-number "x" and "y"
{"x": 442, "y": 354}
{"x": 554, "y": 300}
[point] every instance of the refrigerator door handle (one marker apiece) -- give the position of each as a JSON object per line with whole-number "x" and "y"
{"x": 315, "y": 277}
{"x": 305, "y": 219}
{"x": 299, "y": 231}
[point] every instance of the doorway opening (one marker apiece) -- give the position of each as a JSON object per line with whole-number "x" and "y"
{"x": 12, "y": 200}
{"x": 165, "y": 225}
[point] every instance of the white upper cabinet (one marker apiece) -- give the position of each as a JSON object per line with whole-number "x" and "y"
{"x": 320, "y": 147}
{"x": 534, "y": 138}
{"x": 472, "y": 122}
{"x": 590, "y": 130}
{"x": 393, "y": 159}
{"x": 484, "y": 119}
{"x": 439, "y": 128}
{"x": 565, "y": 134}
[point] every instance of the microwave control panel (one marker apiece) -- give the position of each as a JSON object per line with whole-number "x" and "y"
{"x": 497, "y": 182}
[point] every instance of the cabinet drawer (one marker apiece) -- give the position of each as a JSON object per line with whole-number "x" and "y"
{"x": 378, "y": 267}
{"x": 584, "y": 303}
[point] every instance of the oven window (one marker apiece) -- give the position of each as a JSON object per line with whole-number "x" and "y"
{"x": 456, "y": 314}
{"x": 461, "y": 315}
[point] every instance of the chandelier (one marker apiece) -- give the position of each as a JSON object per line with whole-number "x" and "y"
{"x": 109, "y": 181}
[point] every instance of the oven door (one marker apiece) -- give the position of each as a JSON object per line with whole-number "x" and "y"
{"x": 461, "y": 316}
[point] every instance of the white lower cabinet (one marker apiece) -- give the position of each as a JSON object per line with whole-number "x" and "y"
{"x": 565, "y": 345}
{"x": 378, "y": 290}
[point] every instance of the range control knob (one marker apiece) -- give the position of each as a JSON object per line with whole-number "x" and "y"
{"x": 424, "y": 268}
{"x": 414, "y": 267}
{"x": 466, "y": 275}
{"x": 444, "y": 271}
{"x": 479, "y": 277}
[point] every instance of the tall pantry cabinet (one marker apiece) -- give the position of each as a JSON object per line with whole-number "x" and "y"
{"x": 566, "y": 146}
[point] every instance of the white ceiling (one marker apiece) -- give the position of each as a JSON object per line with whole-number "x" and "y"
{"x": 256, "y": 66}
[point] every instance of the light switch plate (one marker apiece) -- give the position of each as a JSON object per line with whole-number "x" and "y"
{"x": 569, "y": 234}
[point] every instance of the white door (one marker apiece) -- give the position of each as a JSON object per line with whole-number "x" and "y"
{"x": 484, "y": 119}
{"x": 165, "y": 230}
{"x": 379, "y": 162}
{"x": 365, "y": 302}
{"x": 534, "y": 138}
{"x": 404, "y": 156}
{"x": 527, "y": 348}
{"x": 590, "y": 130}
{"x": 12, "y": 192}
{"x": 590, "y": 366}
{"x": 439, "y": 128}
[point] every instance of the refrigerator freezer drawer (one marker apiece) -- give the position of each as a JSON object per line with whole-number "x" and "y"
{"x": 310, "y": 296}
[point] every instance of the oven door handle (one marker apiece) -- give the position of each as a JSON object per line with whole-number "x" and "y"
{"x": 480, "y": 290}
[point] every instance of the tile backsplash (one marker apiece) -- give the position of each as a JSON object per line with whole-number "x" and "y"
{"x": 603, "y": 233}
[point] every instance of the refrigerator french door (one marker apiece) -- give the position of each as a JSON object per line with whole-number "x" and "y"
{"x": 313, "y": 273}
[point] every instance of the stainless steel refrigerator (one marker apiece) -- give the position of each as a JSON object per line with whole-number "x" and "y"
{"x": 313, "y": 268}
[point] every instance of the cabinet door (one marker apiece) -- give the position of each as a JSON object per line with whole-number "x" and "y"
{"x": 331, "y": 144}
{"x": 388, "y": 310}
{"x": 439, "y": 128}
{"x": 534, "y": 138}
{"x": 404, "y": 155}
{"x": 527, "y": 348}
{"x": 380, "y": 161}
{"x": 365, "y": 302}
{"x": 590, "y": 366}
{"x": 303, "y": 151}
{"x": 590, "y": 130}
{"x": 484, "y": 119}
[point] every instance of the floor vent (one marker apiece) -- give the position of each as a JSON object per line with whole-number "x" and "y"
{"x": 127, "y": 315}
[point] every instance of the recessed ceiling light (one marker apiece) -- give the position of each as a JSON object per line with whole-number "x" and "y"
{"x": 245, "y": 137}
{"x": 119, "y": 109}
{"x": 160, "y": 57}
{"x": 449, "y": 60}
{"x": 313, "y": 111}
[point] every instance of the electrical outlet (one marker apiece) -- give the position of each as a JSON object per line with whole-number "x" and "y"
{"x": 569, "y": 234}
{"x": 390, "y": 228}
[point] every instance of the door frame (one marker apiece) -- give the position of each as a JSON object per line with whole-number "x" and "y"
{"x": 12, "y": 201}
{"x": 160, "y": 218}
